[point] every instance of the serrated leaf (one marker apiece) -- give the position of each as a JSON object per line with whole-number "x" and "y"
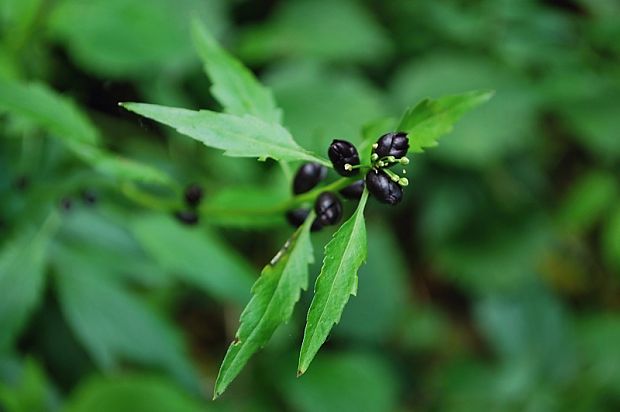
{"x": 344, "y": 254}
{"x": 234, "y": 85}
{"x": 22, "y": 276}
{"x": 48, "y": 109}
{"x": 275, "y": 294}
{"x": 430, "y": 119}
{"x": 238, "y": 136}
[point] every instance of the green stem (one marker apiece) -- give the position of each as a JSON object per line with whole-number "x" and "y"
{"x": 282, "y": 207}
{"x": 145, "y": 199}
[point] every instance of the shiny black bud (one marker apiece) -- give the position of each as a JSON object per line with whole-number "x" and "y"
{"x": 341, "y": 153}
{"x": 187, "y": 217}
{"x": 354, "y": 190}
{"x": 193, "y": 195}
{"x": 297, "y": 217}
{"x": 328, "y": 209}
{"x": 308, "y": 176}
{"x": 384, "y": 189}
{"x": 392, "y": 144}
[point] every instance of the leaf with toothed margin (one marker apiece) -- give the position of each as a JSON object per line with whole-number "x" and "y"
{"x": 274, "y": 296}
{"x": 344, "y": 254}
{"x": 430, "y": 119}
{"x": 234, "y": 85}
{"x": 238, "y": 136}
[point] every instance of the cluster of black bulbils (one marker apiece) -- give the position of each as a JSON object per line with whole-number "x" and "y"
{"x": 382, "y": 183}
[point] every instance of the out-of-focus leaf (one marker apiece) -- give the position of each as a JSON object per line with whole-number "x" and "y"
{"x": 29, "y": 392}
{"x": 351, "y": 381}
{"x": 48, "y": 109}
{"x": 238, "y": 136}
{"x": 122, "y": 38}
{"x": 113, "y": 324}
{"x": 587, "y": 201}
{"x": 234, "y": 86}
{"x": 529, "y": 325}
{"x": 118, "y": 167}
{"x": 344, "y": 254}
{"x": 381, "y": 300}
{"x": 134, "y": 393}
{"x": 611, "y": 241}
{"x": 595, "y": 125}
{"x": 274, "y": 296}
{"x": 347, "y": 33}
{"x": 16, "y": 19}
{"x": 321, "y": 104}
{"x": 483, "y": 137}
{"x": 430, "y": 119}
{"x": 195, "y": 256}
{"x": 102, "y": 238}
{"x": 22, "y": 276}
{"x": 596, "y": 337}
{"x": 244, "y": 207}
{"x": 500, "y": 260}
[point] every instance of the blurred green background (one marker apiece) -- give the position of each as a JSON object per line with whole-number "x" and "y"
{"x": 495, "y": 285}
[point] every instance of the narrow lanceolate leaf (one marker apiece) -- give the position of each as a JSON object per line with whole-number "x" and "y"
{"x": 234, "y": 86}
{"x": 48, "y": 109}
{"x": 273, "y": 298}
{"x": 22, "y": 278}
{"x": 430, "y": 119}
{"x": 238, "y": 136}
{"x": 344, "y": 254}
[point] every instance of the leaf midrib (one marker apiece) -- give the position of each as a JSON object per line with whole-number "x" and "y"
{"x": 271, "y": 300}
{"x": 329, "y": 294}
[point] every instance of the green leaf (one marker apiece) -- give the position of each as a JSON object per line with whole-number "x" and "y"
{"x": 381, "y": 300}
{"x": 48, "y": 109}
{"x": 238, "y": 136}
{"x": 590, "y": 197}
{"x": 234, "y": 85}
{"x": 195, "y": 256}
{"x": 344, "y": 255}
{"x": 30, "y": 392}
{"x": 610, "y": 241}
{"x": 22, "y": 276}
{"x": 275, "y": 294}
{"x": 245, "y": 206}
{"x": 117, "y": 166}
{"x": 137, "y": 393}
{"x": 113, "y": 324}
{"x": 349, "y": 381}
{"x": 430, "y": 119}
{"x": 293, "y": 32}
{"x": 321, "y": 103}
{"x": 121, "y": 38}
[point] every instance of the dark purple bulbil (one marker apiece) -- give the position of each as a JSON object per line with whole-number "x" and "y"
{"x": 328, "y": 209}
{"x": 341, "y": 152}
{"x": 384, "y": 189}
{"x": 354, "y": 190}
{"x": 297, "y": 217}
{"x": 308, "y": 176}
{"x": 392, "y": 144}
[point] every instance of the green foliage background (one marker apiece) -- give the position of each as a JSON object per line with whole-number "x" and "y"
{"x": 495, "y": 285}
